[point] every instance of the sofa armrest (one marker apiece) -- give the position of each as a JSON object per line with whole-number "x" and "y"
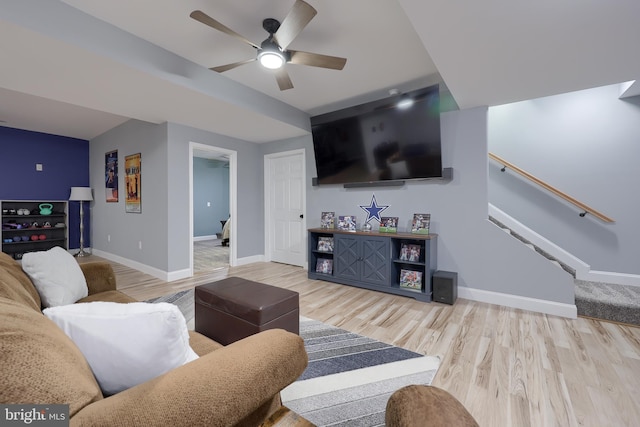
{"x": 99, "y": 276}
{"x": 218, "y": 389}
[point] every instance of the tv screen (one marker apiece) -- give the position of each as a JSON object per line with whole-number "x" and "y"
{"x": 380, "y": 140}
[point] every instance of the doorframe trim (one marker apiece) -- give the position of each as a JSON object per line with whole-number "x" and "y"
{"x": 268, "y": 222}
{"x": 233, "y": 198}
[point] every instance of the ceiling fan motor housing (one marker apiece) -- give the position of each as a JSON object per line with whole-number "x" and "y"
{"x": 271, "y": 25}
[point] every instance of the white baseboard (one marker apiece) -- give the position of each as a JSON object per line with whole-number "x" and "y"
{"x": 610, "y": 277}
{"x": 250, "y": 260}
{"x": 543, "y": 243}
{"x": 515, "y": 301}
{"x": 179, "y": 274}
{"x": 201, "y": 238}
{"x": 583, "y": 270}
{"x": 155, "y": 272}
{"x": 169, "y": 276}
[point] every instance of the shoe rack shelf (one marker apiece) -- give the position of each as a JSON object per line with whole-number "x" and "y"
{"x": 25, "y": 229}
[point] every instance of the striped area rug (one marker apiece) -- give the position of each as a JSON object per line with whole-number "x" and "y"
{"x": 350, "y": 377}
{"x": 184, "y": 301}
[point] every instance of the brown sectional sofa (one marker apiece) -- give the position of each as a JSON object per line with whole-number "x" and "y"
{"x": 236, "y": 385}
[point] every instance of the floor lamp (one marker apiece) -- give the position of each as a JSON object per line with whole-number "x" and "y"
{"x": 81, "y": 194}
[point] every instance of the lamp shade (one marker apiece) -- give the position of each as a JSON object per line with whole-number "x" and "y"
{"x": 81, "y": 194}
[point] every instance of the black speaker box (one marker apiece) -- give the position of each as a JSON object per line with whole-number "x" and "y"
{"x": 445, "y": 286}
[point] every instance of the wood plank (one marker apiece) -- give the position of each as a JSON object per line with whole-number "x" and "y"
{"x": 285, "y": 417}
{"x": 507, "y": 366}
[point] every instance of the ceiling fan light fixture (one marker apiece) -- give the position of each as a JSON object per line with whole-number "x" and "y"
{"x": 271, "y": 60}
{"x": 270, "y": 56}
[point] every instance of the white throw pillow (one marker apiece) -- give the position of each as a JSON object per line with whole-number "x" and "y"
{"x": 56, "y": 275}
{"x": 126, "y": 344}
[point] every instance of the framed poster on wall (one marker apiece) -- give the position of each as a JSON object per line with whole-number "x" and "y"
{"x": 111, "y": 176}
{"x": 133, "y": 200}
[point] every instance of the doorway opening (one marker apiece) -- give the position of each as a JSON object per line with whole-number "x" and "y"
{"x": 213, "y": 198}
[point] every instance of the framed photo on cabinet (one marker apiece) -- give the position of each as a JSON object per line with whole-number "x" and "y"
{"x": 327, "y": 219}
{"x": 325, "y": 244}
{"x": 420, "y": 223}
{"x": 347, "y": 223}
{"x": 411, "y": 280}
{"x": 324, "y": 266}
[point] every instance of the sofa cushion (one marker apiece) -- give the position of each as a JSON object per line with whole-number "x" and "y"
{"x": 108, "y": 296}
{"x": 126, "y": 344}
{"x": 201, "y": 344}
{"x": 15, "y": 284}
{"x": 39, "y": 363}
{"x": 56, "y": 275}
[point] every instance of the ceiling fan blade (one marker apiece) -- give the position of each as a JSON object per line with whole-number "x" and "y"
{"x": 200, "y": 16}
{"x": 297, "y": 18}
{"x": 284, "y": 81}
{"x": 317, "y": 60}
{"x": 223, "y": 68}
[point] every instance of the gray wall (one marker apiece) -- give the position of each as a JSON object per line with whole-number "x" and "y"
{"x": 250, "y": 239}
{"x": 585, "y": 144}
{"x": 484, "y": 256}
{"x": 163, "y": 225}
{"x": 210, "y": 186}
{"x": 127, "y": 229}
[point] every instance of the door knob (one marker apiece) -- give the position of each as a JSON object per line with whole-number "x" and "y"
{"x": 301, "y": 216}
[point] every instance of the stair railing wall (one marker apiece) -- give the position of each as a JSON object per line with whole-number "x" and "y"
{"x": 585, "y": 209}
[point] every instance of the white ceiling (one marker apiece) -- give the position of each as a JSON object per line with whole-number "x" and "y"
{"x": 66, "y": 73}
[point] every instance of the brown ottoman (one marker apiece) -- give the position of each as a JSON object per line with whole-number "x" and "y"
{"x": 426, "y": 406}
{"x": 234, "y": 308}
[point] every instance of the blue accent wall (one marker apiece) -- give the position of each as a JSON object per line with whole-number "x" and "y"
{"x": 210, "y": 185}
{"x": 65, "y": 164}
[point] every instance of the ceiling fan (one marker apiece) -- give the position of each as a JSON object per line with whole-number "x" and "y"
{"x": 272, "y": 53}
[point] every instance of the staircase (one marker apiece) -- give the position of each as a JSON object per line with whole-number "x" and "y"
{"x": 604, "y": 301}
{"x": 608, "y": 301}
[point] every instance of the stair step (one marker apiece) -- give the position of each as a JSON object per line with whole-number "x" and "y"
{"x": 608, "y": 301}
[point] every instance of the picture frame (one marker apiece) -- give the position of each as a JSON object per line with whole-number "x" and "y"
{"x": 388, "y": 224}
{"x": 133, "y": 184}
{"x": 324, "y": 266}
{"x": 347, "y": 223}
{"x": 409, "y": 252}
{"x": 327, "y": 220}
{"x": 420, "y": 223}
{"x": 411, "y": 280}
{"x": 325, "y": 244}
{"x": 111, "y": 176}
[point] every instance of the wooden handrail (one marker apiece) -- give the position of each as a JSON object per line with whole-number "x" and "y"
{"x": 585, "y": 208}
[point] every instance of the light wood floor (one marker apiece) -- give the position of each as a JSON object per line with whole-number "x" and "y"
{"x": 210, "y": 255}
{"x": 508, "y": 367}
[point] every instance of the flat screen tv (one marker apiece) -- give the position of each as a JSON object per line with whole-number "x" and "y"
{"x": 380, "y": 140}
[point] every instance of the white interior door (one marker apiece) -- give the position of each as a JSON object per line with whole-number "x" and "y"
{"x": 285, "y": 222}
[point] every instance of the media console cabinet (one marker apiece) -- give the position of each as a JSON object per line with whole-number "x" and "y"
{"x": 376, "y": 261}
